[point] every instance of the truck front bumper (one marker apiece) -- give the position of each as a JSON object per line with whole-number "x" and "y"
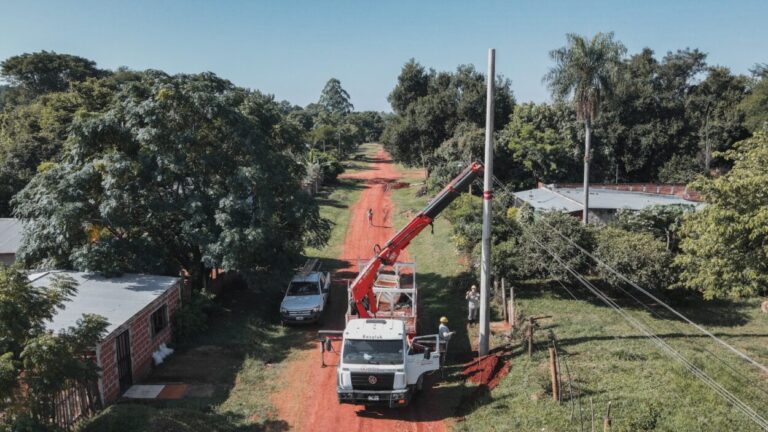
{"x": 389, "y": 398}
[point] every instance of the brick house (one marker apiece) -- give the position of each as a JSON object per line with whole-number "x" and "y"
{"x": 138, "y": 308}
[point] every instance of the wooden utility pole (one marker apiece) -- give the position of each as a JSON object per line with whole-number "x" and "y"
{"x": 485, "y": 266}
{"x": 554, "y": 374}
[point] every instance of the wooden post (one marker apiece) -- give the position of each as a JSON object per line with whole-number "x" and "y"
{"x": 504, "y": 301}
{"x": 530, "y": 336}
{"x": 512, "y": 311}
{"x": 554, "y": 375}
{"x": 607, "y": 419}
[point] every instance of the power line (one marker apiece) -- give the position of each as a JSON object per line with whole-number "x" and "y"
{"x": 651, "y": 296}
{"x": 725, "y": 393}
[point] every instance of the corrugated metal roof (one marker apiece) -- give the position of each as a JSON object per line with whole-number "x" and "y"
{"x": 545, "y": 199}
{"x": 10, "y": 235}
{"x": 116, "y": 299}
{"x": 571, "y": 199}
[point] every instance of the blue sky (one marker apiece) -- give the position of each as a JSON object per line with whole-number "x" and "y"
{"x": 291, "y": 48}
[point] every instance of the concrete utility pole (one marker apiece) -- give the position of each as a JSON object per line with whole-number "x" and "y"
{"x": 485, "y": 265}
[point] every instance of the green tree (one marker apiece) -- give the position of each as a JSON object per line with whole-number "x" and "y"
{"x": 541, "y": 140}
{"x": 755, "y": 105}
{"x": 412, "y": 84}
{"x": 34, "y": 74}
{"x": 33, "y": 134}
{"x": 431, "y": 107}
{"x": 725, "y": 245}
{"x": 335, "y": 99}
{"x": 42, "y": 363}
{"x": 585, "y": 70}
{"x": 713, "y": 105}
{"x": 181, "y": 172}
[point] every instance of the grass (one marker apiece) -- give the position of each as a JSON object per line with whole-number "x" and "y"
{"x": 610, "y": 361}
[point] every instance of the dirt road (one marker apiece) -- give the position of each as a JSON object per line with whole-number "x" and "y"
{"x": 307, "y": 400}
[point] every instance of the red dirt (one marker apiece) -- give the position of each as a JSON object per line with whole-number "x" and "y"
{"x": 488, "y": 370}
{"x": 307, "y": 400}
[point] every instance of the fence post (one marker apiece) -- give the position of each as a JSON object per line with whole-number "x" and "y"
{"x": 512, "y": 311}
{"x": 504, "y": 301}
{"x": 607, "y": 419}
{"x": 554, "y": 375}
{"x": 530, "y": 336}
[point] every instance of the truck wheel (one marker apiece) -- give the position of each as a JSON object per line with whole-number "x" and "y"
{"x": 420, "y": 384}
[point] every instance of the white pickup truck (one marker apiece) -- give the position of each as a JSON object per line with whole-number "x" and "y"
{"x": 306, "y": 296}
{"x": 381, "y": 365}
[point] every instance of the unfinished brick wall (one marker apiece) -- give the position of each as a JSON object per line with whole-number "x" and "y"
{"x": 142, "y": 344}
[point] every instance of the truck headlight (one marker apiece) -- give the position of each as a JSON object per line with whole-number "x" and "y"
{"x": 316, "y": 309}
{"x": 283, "y": 311}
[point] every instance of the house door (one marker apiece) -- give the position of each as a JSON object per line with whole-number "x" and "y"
{"x": 124, "y": 374}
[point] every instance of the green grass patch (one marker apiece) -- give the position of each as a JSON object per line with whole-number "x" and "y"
{"x": 610, "y": 361}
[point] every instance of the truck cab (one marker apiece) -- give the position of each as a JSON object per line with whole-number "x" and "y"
{"x": 381, "y": 365}
{"x": 306, "y": 295}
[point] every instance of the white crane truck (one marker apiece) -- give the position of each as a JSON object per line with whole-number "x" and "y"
{"x": 383, "y": 362}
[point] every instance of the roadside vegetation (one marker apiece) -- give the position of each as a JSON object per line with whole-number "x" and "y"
{"x": 242, "y": 353}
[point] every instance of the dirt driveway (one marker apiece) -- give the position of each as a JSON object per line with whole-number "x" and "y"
{"x": 307, "y": 400}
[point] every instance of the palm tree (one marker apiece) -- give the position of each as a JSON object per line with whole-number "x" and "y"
{"x": 586, "y": 71}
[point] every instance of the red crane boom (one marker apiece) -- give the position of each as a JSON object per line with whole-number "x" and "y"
{"x": 362, "y": 286}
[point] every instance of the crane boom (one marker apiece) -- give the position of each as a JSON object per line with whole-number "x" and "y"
{"x": 362, "y": 286}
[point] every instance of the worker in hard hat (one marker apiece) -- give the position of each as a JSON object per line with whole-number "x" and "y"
{"x": 473, "y": 303}
{"x": 444, "y": 334}
{"x": 443, "y": 330}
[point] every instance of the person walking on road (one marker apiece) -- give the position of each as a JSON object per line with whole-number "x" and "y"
{"x": 370, "y": 217}
{"x": 473, "y": 303}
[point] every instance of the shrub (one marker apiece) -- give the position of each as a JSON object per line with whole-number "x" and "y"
{"x": 192, "y": 318}
{"x": 638, "y": 256}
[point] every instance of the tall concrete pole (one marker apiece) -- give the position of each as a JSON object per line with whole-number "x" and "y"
{"x": 485, "y": 265}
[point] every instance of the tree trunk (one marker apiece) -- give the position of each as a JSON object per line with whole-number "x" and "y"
{"x": 587, "y": 142}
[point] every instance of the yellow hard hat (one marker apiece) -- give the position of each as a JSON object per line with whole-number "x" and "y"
{"x": 444, "y": 320}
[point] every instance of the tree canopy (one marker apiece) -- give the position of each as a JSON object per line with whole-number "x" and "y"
{"x": 335, "y": 99}
{"x": 34, "y": 74}
{"x": 725, "y": 245}
{"x": 182, "y": 171}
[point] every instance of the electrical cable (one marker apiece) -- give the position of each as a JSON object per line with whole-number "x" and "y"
{"x": 651, "y": 296}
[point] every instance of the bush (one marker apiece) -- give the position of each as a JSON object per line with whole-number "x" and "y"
{"x": 638, "y": 256}
{"x": 330, "y": 165}
{"x": 192, "y": 318}
{"x": 534, "y": 261}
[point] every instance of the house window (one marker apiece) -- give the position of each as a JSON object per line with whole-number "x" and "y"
{"x": 159, "y": 320}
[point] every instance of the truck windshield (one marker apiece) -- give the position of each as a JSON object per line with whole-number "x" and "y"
{"x": 373, "y": 351}
{"x": 303, "y": 288}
